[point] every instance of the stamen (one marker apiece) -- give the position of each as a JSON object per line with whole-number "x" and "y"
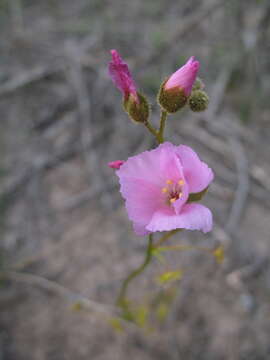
{"x": 181, "y": 182}
{"x": 164, "y": 190}
{"x": 172, "y": 200}
{"x": 180, "y": 195}
{"x": 169, "y": 182}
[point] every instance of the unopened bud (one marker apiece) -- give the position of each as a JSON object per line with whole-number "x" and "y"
{"x": 198, "y": 101}
{"x": 173, "y": 99}
{"x": 137, "y": 110}
{"x": 174, "y": 92}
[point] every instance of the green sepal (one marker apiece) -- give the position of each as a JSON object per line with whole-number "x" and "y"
{"x": 171, "y": 100}
{"x": 194, "y": 197}
{"x": 138, "y": 112}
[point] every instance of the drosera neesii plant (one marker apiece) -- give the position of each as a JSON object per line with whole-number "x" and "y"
{"x": 162, "y": 187}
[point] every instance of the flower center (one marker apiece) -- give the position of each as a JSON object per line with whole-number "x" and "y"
{"x": 173, "y": 190}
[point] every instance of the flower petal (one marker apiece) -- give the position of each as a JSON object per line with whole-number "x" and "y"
{"x": 140, "y": 230}
{"x": 178, "y": 204}
{"x": 197, "y": 173}
{"x": 121, "y": 76}
{"x": 155, "y": 166}
{"x": 142, "y": 199}
{"x": 184, "y": 77}
{"x": 192, "y": 217}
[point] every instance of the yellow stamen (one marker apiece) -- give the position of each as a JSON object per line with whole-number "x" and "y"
{"x": 181, "y": 182}
{"x": 169, "y": 182}
{"x": 180, "y": 194}
{"x": 164, "y": 190}
{"x": 172, "y": 200}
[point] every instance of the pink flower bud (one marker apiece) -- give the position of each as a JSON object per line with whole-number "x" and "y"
{"x": 116, "y": 164}
{"x": 121, "y": 76}
{"x": 184, "y": 77}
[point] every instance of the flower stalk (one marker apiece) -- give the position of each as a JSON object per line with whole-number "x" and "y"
{"x": 122, "y": 298}
{"x": 162, "y": 124}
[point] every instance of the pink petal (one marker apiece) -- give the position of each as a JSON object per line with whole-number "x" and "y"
{"x": 116, "y": 164}
{"x": 140, "y": 230}
{"x": 197, "y": 173}
{"x": 143, "y": 199}
{"x": 184, "y": 77}
{"x": 178, "y": 204}
{"x": 121, "y": 76}
{"x": 192, "y": 217}
{"x": 155, "y": 166}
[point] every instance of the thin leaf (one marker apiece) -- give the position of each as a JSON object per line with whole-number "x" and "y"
{"x": 169, "y": 276}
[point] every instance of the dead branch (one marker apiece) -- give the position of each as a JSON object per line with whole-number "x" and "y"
{"x": 242, "y": 189}
{"x": 27, "y": 78}
{"x": 17, "y": 182}
{"x": 237, "y": 277}
{"x": 185, "y": 26}
{"x": 16, "y": 14}
{"x": 76, "y": 81}
{"x": 72, "y": 297}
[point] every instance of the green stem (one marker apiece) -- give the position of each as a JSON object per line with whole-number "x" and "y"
{"x": 151, "y": 129}
{"x": 167, "y": 236}
{"x": 122, "y": 300}
{"x": 163, "y": 118}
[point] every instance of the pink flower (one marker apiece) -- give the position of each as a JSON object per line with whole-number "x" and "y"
{"x": 116, "y": 164}
{"x": 156, "y": 185}
{"x": 120, "y": 74}
{"x": 184, "y": 77}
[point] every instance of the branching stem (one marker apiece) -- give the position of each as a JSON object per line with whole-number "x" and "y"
{"x": 158, "y": 134}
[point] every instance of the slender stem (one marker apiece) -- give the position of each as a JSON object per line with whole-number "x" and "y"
{"x": 151, "y": 129}
{"x": 166, "y": 236}
{"x": 121, "y": 300}
{"x": 158, "y": 134}
{"x": 163, "y": 118}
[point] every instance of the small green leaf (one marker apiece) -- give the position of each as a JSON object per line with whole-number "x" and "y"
{"x": 219, "y": 254}
{"x": 169, "y": 276}
{"x": 197, "y": 196}
{"x": 141, "y": 315}
{"x": 162, "y": 311}
{"x": 157, "y": 253}
{"x": 77, "y": 306}
{"x": 116, "y": 324}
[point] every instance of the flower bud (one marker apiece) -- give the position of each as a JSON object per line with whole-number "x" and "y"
{"x": 174, "y": 92}
{"x": 121, "y": 76}
{"x": 171, "y": 100}
{"x": 198, "y": 101}
{"x": 137, "y": 110}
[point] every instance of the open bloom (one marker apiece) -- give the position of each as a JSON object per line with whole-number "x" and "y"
{"x": 121, "y": 76}
{"x": 184, "y": 77}
{"x": 156, "y": 185}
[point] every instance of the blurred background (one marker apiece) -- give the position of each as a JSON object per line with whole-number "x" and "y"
{"x": 62, "y": 217}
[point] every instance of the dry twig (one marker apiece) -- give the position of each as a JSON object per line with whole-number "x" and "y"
{"x": 72, "y": 297}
